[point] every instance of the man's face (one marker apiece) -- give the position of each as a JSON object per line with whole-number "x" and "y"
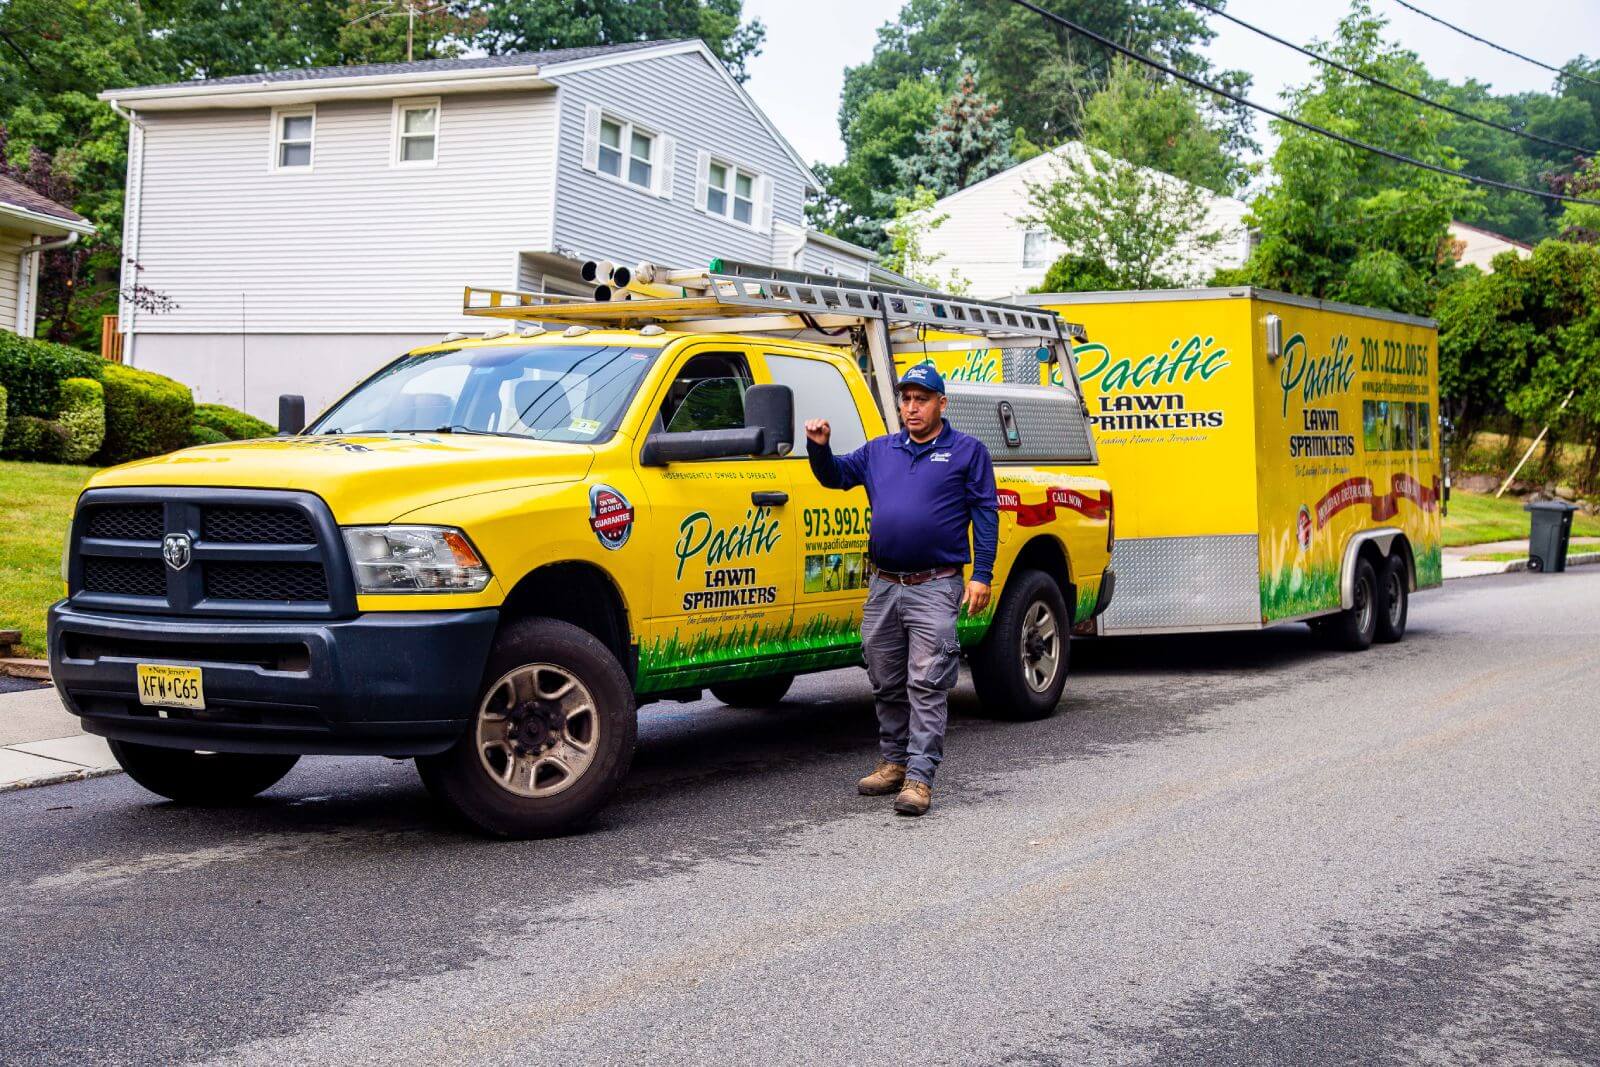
{"x": 920, "y": 409}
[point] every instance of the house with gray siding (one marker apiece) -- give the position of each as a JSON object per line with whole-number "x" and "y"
{"x": 310, "y": 225}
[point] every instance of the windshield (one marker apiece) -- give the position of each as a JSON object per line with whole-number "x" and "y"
{"x": 574, "y": 393}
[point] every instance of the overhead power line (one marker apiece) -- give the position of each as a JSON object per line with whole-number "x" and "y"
{"x": 1398, "y": 157}
{"x": 1496, "y": 47}
{"x": 1418, "y": 97}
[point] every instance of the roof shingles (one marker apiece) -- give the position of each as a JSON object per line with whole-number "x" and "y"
{"x": 15, "y": 194}
{"x": 421, "y": 66}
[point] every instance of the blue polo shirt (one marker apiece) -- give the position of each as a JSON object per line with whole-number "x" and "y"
{"x": 923, "y": 496}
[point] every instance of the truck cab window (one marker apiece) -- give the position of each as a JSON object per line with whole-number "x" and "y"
{"x": 706, "y": 394}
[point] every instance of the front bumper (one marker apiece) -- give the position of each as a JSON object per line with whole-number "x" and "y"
{"x": 383, "y": 683}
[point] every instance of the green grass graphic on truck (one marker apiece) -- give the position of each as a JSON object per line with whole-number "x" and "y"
{"x": 1299, "y": 591}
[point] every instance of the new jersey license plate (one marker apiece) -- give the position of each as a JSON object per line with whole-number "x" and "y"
{"x": 170, "y": 687}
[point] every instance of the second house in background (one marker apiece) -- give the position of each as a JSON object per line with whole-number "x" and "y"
{"x": 312, "y": 224}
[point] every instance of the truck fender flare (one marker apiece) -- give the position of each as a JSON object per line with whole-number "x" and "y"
{"x": 1383, "y": 537}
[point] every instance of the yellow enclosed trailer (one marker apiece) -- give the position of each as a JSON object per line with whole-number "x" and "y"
{"x": 1274, "y": 458}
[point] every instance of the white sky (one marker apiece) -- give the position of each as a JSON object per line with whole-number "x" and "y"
{"x": 798, "y": 76}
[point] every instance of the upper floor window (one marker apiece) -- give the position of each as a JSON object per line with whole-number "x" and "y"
{"x": 292, "y": 134}
{"x": 1036, "y": 248}
{"x": 731, "y": 192}
{"x": 416, "y": 131}
{"x": 621, "y": 149}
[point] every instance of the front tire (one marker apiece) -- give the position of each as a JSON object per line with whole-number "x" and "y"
{"x": 754, "y": 692}
{"x": 1354, "y": 628}
{"x": 1020, "y": 667}
{"x": 1394, "y": 599}
{"x": 203, "y": 779}
{"x": 551, "y": 740}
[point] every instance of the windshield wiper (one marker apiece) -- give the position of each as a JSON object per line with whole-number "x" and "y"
{"x": 458, "y": 428}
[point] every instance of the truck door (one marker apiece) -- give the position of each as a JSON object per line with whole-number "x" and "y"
{"x": 722, "y": 602}
{"x": 831, "y": 542}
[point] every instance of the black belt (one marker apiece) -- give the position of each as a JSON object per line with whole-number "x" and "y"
{"x": 918, "y": 577}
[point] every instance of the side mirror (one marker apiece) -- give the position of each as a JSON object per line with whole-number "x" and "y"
{"x": 770, "y": 408}
{"x": 291, "y": 414}
{"x": 663, "y": 448}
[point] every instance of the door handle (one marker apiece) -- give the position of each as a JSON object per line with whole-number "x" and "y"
{"x": 769, "y": 499}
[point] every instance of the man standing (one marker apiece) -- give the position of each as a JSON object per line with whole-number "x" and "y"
{"x": 926, "y": 484}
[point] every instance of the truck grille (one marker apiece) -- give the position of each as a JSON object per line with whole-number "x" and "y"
{"x": 125, "y": 522}
{"x": 258, "y": 526}
{"x": 266, "y": 581}
{"x": 125, "y": 577}
{"x": 251, "y": 553}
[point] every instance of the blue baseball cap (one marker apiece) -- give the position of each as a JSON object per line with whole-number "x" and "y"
{"x": 924, "y": 376}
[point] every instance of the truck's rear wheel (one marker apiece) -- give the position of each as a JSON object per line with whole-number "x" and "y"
{"x": 551, "y": 740}
{"x": 201, "y": 778}
{"x": 1394, "y": 595}
{"x": 1020, "y": 667}
{"x": 1354, "y": 628}
{"x": 754, "y": 692}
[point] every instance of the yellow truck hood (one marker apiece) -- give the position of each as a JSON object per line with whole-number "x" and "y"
{"x": 364, "y": 478}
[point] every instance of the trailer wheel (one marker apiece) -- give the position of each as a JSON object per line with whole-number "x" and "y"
{"x": 1020, "y": 667}
{"x": 1354, "y": 628}
{"x": 1394, "y": 598}
{"x": 203, "y": 779}
{"x": 551, "y": 740}
{"x": 754, "y": 692}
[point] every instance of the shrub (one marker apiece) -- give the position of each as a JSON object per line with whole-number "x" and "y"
{"x": 2, "y": 413}
{"x": 28, "y": 437}
{"x": 83, "y": 414}
{"x": 232, "y": 424}
{"x": 146, "y": 414}
{"x": 32, "y": 372}
{"x": 200, "y": 434}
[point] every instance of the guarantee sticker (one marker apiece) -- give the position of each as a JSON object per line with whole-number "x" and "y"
{"x": 610, "y": 516}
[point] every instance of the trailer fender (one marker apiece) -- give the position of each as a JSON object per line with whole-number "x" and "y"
{"x": 1383, "y": 537}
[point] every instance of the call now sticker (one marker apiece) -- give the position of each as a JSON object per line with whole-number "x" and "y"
{"x": 610, "y": 516}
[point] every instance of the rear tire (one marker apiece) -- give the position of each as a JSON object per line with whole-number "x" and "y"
{"x": 1394, "y": 599}
{"x": 551, "y": 739}
{"x": 754, "y": 692}
{"x": 1020, "y": 667}
{"x": 1354, "y": 628}
{"x": 203, "y": 779}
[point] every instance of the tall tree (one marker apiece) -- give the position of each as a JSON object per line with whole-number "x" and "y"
{"x": 1340, "y": 222}
{"x": 533, "y": 25}
{"x": 1150, "y": 121}
{"x": 967, "y": 142}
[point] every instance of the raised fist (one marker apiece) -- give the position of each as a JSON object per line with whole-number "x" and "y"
{"x": 818, "y": 431}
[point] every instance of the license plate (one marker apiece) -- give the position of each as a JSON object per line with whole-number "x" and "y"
{"x": 170, "y": 687}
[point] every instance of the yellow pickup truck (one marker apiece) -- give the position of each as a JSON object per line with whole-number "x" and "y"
{"x": 487, "y": 554}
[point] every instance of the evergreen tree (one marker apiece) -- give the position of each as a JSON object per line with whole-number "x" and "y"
{"x": 967, "y": 143}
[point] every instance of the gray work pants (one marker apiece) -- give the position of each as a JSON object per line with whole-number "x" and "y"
{"x": 908, "y": 637}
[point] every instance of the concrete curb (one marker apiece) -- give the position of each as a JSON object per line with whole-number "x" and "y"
{"x": 78, "y": 774}
{"x": 1512, "y": 566}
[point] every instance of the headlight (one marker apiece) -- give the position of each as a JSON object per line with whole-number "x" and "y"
{"x": 414, "y": 559}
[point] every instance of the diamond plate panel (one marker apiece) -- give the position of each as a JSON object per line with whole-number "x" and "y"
{"x": 1020, "y": 366}
{"x": 1051, "y": 425}
{"x": 1174, "y": 582}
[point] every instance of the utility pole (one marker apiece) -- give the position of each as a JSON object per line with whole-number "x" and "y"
{"x": 411, "y": 25}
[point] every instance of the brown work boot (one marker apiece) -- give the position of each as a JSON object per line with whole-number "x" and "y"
{"x": 914, "y": 799}
{"x": 888, "y": 778}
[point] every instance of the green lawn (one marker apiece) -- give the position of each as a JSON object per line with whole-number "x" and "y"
{"x": 1478, "y": 517}
{"x": 36, "y": 499}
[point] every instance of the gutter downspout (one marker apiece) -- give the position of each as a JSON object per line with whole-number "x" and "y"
{"x": 29, "y": 281}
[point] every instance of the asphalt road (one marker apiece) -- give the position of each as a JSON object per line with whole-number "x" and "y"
{"x": 1232, "y": 849}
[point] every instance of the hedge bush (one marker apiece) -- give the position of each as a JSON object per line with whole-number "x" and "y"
{"x": 28, "y": 437}
{"x": 2, "y": 413}
{"x": 83, "y": 414}
{"x": 32, "y": 372}
{"x": 200, "y": 434}
{"x": 146, "y": 414}
{"x": 232, "y": 424}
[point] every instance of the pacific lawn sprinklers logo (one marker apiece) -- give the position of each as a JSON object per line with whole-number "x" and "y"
{"x": 1302, "y": 528}
{"x": 610, "y": 516}
{"x": 175, "y": 549}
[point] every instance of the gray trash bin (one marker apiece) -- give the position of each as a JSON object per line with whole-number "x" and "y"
{"x": 1547, "y": 542}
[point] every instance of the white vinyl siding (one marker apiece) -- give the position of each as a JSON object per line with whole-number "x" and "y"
{"x": 416, "y": 132}
{"x": 293, "y": 138}
{"x": 698, "y": 116}
{"x": 356, "y": 244}
{"x": 12, "y": 242}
